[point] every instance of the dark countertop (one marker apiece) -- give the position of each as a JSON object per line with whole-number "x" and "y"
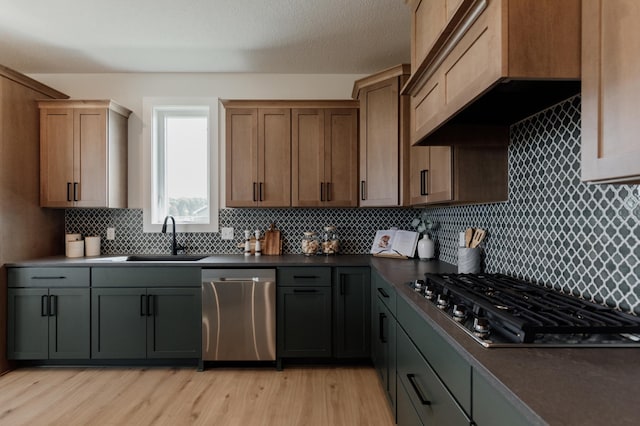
{"x": 215, "y": 261}
{"x": 557, "y": 386}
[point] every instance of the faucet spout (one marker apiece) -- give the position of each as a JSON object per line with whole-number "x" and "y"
{"x": 174, "y": 245}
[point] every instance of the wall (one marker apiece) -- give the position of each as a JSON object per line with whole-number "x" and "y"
{"x": 555, "y": 230}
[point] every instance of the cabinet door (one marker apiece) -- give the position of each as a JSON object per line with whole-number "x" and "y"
{"x": 384, "y": 348}
{"x": 241, "y": 135}
{"x": 407, "y": 415}
{"x": 90, "y": 157}
{"x": 439, "y": 177}
{"x": 308, "y": 157}
{"x": 69, "y": 323}
{"x": 173, "y": 323}
{"x": 419, "y": 159}
{"x": 341, "y": 158}
{"x": 274, "y": 157}
{"x": 27, "y": 336}
{"x": 379, "y": 145}
{"x": 304, "y": 322}
{"x": 118, "y": 323}
{"x": 610, "y": 91}
{"x": 56, "y": 157}
{"x": 352, "y": 305}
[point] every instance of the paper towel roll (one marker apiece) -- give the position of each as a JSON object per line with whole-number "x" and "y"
{"x": 75, "y": 248}
{"x": 469, "y": 260}
{"x": 92, "y": 246}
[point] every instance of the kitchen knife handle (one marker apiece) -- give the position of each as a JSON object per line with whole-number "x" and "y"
{"x": 381, "y": 318}
{"x": 321, "y": 191}
{"x": 423, "y": 182}
{"x": 75, "y": 191}
{"x": 44, "y": 306}
{"x": 261, "y": 191}
{"x": 68, "y": 191}
{"x": 328, "y": 191}
{"x": 53, "y": 305}
{"x": 143, "y": 312}
{"x": 383, "y": 293}
{"x": 255, "y": 191}
{"x": 422, "y": 399}
{"x": 362, "y": 190}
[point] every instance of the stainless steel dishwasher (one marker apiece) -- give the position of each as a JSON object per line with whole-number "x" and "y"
{"x": 238, "y": 314}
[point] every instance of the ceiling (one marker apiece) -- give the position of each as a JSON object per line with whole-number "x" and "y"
{"x": 261, "y": 36}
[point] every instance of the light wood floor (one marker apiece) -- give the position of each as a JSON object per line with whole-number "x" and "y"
{"x": 323, "y": 396}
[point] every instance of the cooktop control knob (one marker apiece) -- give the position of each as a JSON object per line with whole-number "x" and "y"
{"x": 429, "y": 292}
{"x": 443, "y": 301}
{"x": 459, "y": 312}
{"x": 418, "y": 285}
{"x": 481, "y": 327}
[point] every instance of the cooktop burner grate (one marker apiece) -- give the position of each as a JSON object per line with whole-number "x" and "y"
{"x": 523, "y": 311}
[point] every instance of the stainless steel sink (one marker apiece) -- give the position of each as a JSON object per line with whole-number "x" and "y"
{"x": 165, "y": 258}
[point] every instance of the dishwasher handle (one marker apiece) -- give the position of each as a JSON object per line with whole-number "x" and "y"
{"x": 237, "y": 280}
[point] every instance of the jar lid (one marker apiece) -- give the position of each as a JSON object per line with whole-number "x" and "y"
{"x": 330, "y": 228}
{"x": 309, "y": 233}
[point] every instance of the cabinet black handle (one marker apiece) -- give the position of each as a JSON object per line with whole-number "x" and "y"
{"x": 53, "y": 305}
{"x": 68, "y": 191}
{"x": 383, "y": 293}
{"x": 321, "y": 191}
{"x": 305, "y": 277}
{"x": 342, "y": 285}
{"x": 381, "y": 318}
{"x": 423, "y": 182}
{"x": 261, "y": 191}
{"x": 150, "y": 306}
{"x": 75, "y": 191}
{"x": 422, "y": 399}
{"x": 143, "y": 306}
{"x": 362, "y": 190}
{"x": 255, "y": 191}
{"x": 306, "y": 290}
{"x": 328, "y": 191}
{"x": 47, "y": 278}
{"x": 44, "y": 306}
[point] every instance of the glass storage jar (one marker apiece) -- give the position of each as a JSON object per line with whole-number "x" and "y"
{"x": 330, "y": 241}
{"x": 310, "y": 243}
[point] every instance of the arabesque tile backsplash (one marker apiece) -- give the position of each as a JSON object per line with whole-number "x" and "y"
{"x": 554, "y": 230}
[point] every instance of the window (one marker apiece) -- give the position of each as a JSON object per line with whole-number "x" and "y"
{"x": 182, "y": 167}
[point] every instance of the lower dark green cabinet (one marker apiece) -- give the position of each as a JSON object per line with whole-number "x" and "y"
{"x": 48, "y": 323}
{"x": 352, "y": 310}
{"x": 137, "y": 323}
{"x": 384, "y": 348}
{"x": 491, "y": 408}
{"x": 304, "y": 322}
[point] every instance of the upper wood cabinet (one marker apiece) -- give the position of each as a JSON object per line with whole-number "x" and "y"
{"x": 324, "y": 157}
{"x": 258, "y": 157}
{"x": 384, "y": 143}
{"x": 83, "y": 154}
{"x": 291, "y": 153}
{"x": 610, "y": 91}
{"x": 506, "y": 58}
{"x": 459, "y": 174}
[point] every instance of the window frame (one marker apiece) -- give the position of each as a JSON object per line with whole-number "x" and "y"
{"x": 150, "y": 164}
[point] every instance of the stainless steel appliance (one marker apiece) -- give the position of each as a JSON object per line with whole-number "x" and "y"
{"x": 502, "y": 311}
{"x": 238, "y": 314}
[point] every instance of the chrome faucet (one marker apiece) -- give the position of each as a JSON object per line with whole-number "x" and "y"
{"x": 174, "y": 246}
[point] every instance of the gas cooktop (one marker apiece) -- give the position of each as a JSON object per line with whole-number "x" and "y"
{"x": 502, "y": 311}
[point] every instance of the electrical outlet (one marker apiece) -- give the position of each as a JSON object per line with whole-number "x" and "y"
{"x": 111, "y": 233}
{"x": 226, "y": 233}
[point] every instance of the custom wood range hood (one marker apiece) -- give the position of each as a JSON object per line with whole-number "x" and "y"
{"x": 478, "y": 66}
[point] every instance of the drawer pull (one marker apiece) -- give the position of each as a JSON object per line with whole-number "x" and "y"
{"x": 309, "y": 290}
{"x": 44, "y": 306}
{"x": 53, "y": 305}
{"x": 383, "y": 293}
{"x": 422, "y": 399}
{"x": 48, "y": 278}
{"x": 305, "y": 277}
